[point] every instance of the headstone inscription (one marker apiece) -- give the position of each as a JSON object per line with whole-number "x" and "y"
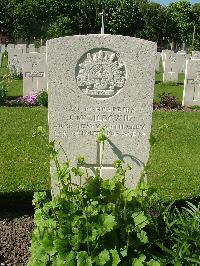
{"x": 170, "y": 69}
{"x": 191, "y": 93}
{"x": 93, "y": 84}
{"x": 34, "y": 75}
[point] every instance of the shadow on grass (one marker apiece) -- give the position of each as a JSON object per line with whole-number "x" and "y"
{"x": 183, "y": 202}
{"x": 16, "y": 201}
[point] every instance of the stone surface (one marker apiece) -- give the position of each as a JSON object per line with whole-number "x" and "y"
{"x": 10, "y": 46}
{"x": 15, "y": 60}
{"x": 34, "y": 73}
{"x": 158, "y": 58}
{"x": 191, "y": 93}
{"x": 31, "y": 48}
{"x": 0, "y": 59}
{"x": 22, "y": 47}
{"x": 170, "y": 68}
{"x": 101, "y": 81}
{"x": 181, "y": 58}
{"x": 42, "y": 49}
{"x": 195, "y": 54}
{"x": 3, "y": 48}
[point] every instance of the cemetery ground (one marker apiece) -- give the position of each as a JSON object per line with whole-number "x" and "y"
{"x": 173, "y": 168}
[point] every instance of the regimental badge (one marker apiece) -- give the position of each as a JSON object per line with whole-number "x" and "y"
{"x": 99, "y": 73}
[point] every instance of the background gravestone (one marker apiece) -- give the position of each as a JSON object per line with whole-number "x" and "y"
{"x": 195, "y": 54}
{"x": 22, "y": 47}
{"x": 98, "y": 81}
{"x": 0, "y": 59}
{"x": 42, "y": 49}
{"x": 158, "y": 57}
{"x": 15, "y": 60}
{"x": 170, "y": 67}
{"x": 31, "y": 48}
{"x": 191, "y": 93}
{"x": 34, "y": 78}
{"x": 181, "y": 58}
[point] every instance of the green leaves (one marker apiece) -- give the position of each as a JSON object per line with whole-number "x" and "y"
{"x": 83, "y": 259}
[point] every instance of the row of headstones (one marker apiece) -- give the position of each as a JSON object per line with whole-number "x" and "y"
{"x": 25, "y": 61}
{"x": 175, "y": 63}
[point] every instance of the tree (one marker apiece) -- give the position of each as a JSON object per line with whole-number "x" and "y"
{"x": 180, "y": 22}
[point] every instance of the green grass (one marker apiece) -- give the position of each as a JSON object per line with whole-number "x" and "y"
{"x": 175, "y": 89}
{"x": 174, "y": 163}
{"x": 173, "y": 167}
{"x": 15, "y": 86}
{"x": 24, "y": 163}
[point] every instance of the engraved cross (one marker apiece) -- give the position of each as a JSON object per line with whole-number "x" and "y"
{"x": 99, "y": 166}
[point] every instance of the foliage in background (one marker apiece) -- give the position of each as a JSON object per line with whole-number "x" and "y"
{"x": 30, "y": 19}
{"x": 3, "y": 93}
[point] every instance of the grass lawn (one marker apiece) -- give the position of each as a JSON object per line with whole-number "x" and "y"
{"x": 174, "y": 163}
{"x": 168, "y": 87}
{"x": 24, "y": 162}
{"x": 173, "y": 167}
{"x": 15, "y": 87}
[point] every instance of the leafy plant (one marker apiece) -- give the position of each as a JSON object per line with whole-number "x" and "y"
{"x": 177, "y": 234}
{"x": 98, "y": 223}
{"x": 42, "y": 98}
{"x": 168, "y": 101}
{"x": 195, "y": 107}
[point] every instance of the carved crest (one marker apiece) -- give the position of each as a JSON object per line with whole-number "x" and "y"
{"x": 100, "y": 74}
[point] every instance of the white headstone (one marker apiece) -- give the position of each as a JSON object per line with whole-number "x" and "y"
{"x": 10, "y": 46}
{"x": 181, "y": 58}
{"x": 34, "y": 75}
{"x": 170, "y": 69}
{"x": 101, "y": 81}
{"x": 15, "y": 60}
{"x": 195, "y": 54}
{"x": 191, "y": 93}
{"x": 158, "y": 57}
{"x": 31, "y": 48}
{"x": 42, "y": 49}
{"x": 22, "y": 47}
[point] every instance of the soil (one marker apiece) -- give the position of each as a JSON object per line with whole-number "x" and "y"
{"x": 15, "y": 236}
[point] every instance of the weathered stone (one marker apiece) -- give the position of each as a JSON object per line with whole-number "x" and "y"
{"x": 158, "y": 58}
{"x": 195, "y": 54}
{"x": 31, "y": 48}
{"x": 181, "y": 58}
{"x": 15, "y": 60}
{"x": 170, "y": 68}
{"x": 101, "y": 81}
{"x": 22, "y": 47}
{"x": 191, "y": 93}
{"x": 42, "y": 49}
{"x": 34, "y": 74}
{"x": 3, "y": 48}
{"x": 10, "y": 46}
